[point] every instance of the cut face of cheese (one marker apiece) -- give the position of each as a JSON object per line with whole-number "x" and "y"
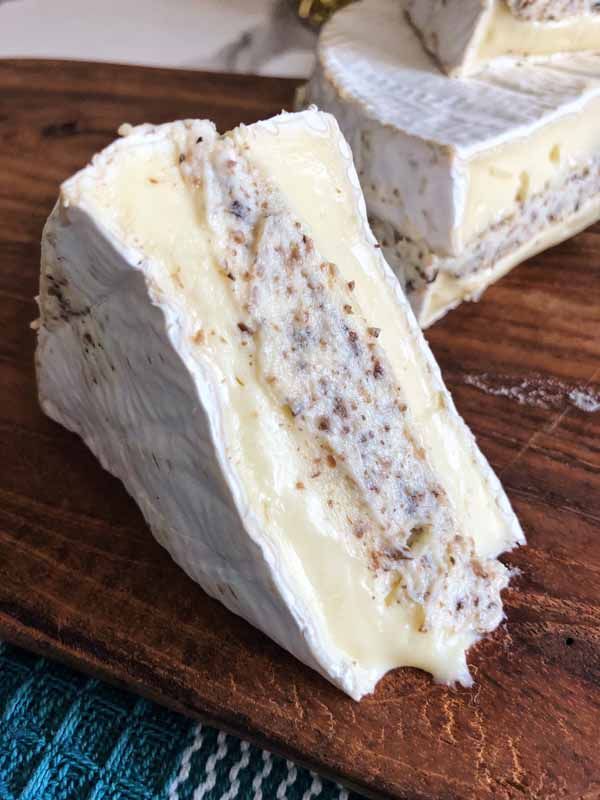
{"x": 464, "y": 35}
{"x": 219, "y": 325}
{"x": 463, "y": 179}
{"x": 551, "y": 10}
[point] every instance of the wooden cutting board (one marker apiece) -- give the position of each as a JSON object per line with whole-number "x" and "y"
{"x": 81, "y": 578}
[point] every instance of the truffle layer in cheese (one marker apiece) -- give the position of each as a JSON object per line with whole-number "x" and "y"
{"x": 464, "y": 35}
{"x": 551, "y": 10}
{"x": 467, "y": 176}
{"x": 221, "y": 328}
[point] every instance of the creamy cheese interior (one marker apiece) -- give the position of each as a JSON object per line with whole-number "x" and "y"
{"x": 503, "y": 178}
{"x": 447, "y": 291}
{"x": 150, "y": 201}
{"x": 507, "y": 34}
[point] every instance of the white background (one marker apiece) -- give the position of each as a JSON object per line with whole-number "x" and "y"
{"x": 261, "y": 36}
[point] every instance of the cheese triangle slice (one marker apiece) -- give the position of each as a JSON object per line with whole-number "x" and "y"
{"x": 219, "y": 325}
{"x": 464, "y": 35}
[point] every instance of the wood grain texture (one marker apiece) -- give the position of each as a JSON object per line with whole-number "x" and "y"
{"x": 82, "y": 579}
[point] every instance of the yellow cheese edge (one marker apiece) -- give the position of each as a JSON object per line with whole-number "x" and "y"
{"x": 448, "y": 291}
{"x": 506, "y": 34}
{"x": 501, "y": 179}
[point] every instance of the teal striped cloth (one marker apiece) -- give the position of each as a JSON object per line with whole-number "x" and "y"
{"x": 64, "y": 736}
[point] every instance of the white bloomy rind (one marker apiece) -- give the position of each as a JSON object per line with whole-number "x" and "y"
{"x": 116, "y": 364}
{"x": 465, "y": 35}
{"x": 131, "y": 418}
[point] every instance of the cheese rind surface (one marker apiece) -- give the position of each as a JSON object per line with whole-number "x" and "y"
{"x": 465, "y": 35}
{"x": 248, "y": 366}
{"x": 462, "y": 179}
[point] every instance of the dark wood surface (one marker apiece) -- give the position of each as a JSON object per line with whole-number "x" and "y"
{"x": 81, "y": 578}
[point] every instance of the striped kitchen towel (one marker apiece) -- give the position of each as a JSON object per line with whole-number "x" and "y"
{"x": 64, "y": 736}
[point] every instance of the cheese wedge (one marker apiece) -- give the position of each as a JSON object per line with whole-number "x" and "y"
{"x": 219, "y": 325}
{"x": 463, "y": 179}
{"x": 464, "y": 35}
